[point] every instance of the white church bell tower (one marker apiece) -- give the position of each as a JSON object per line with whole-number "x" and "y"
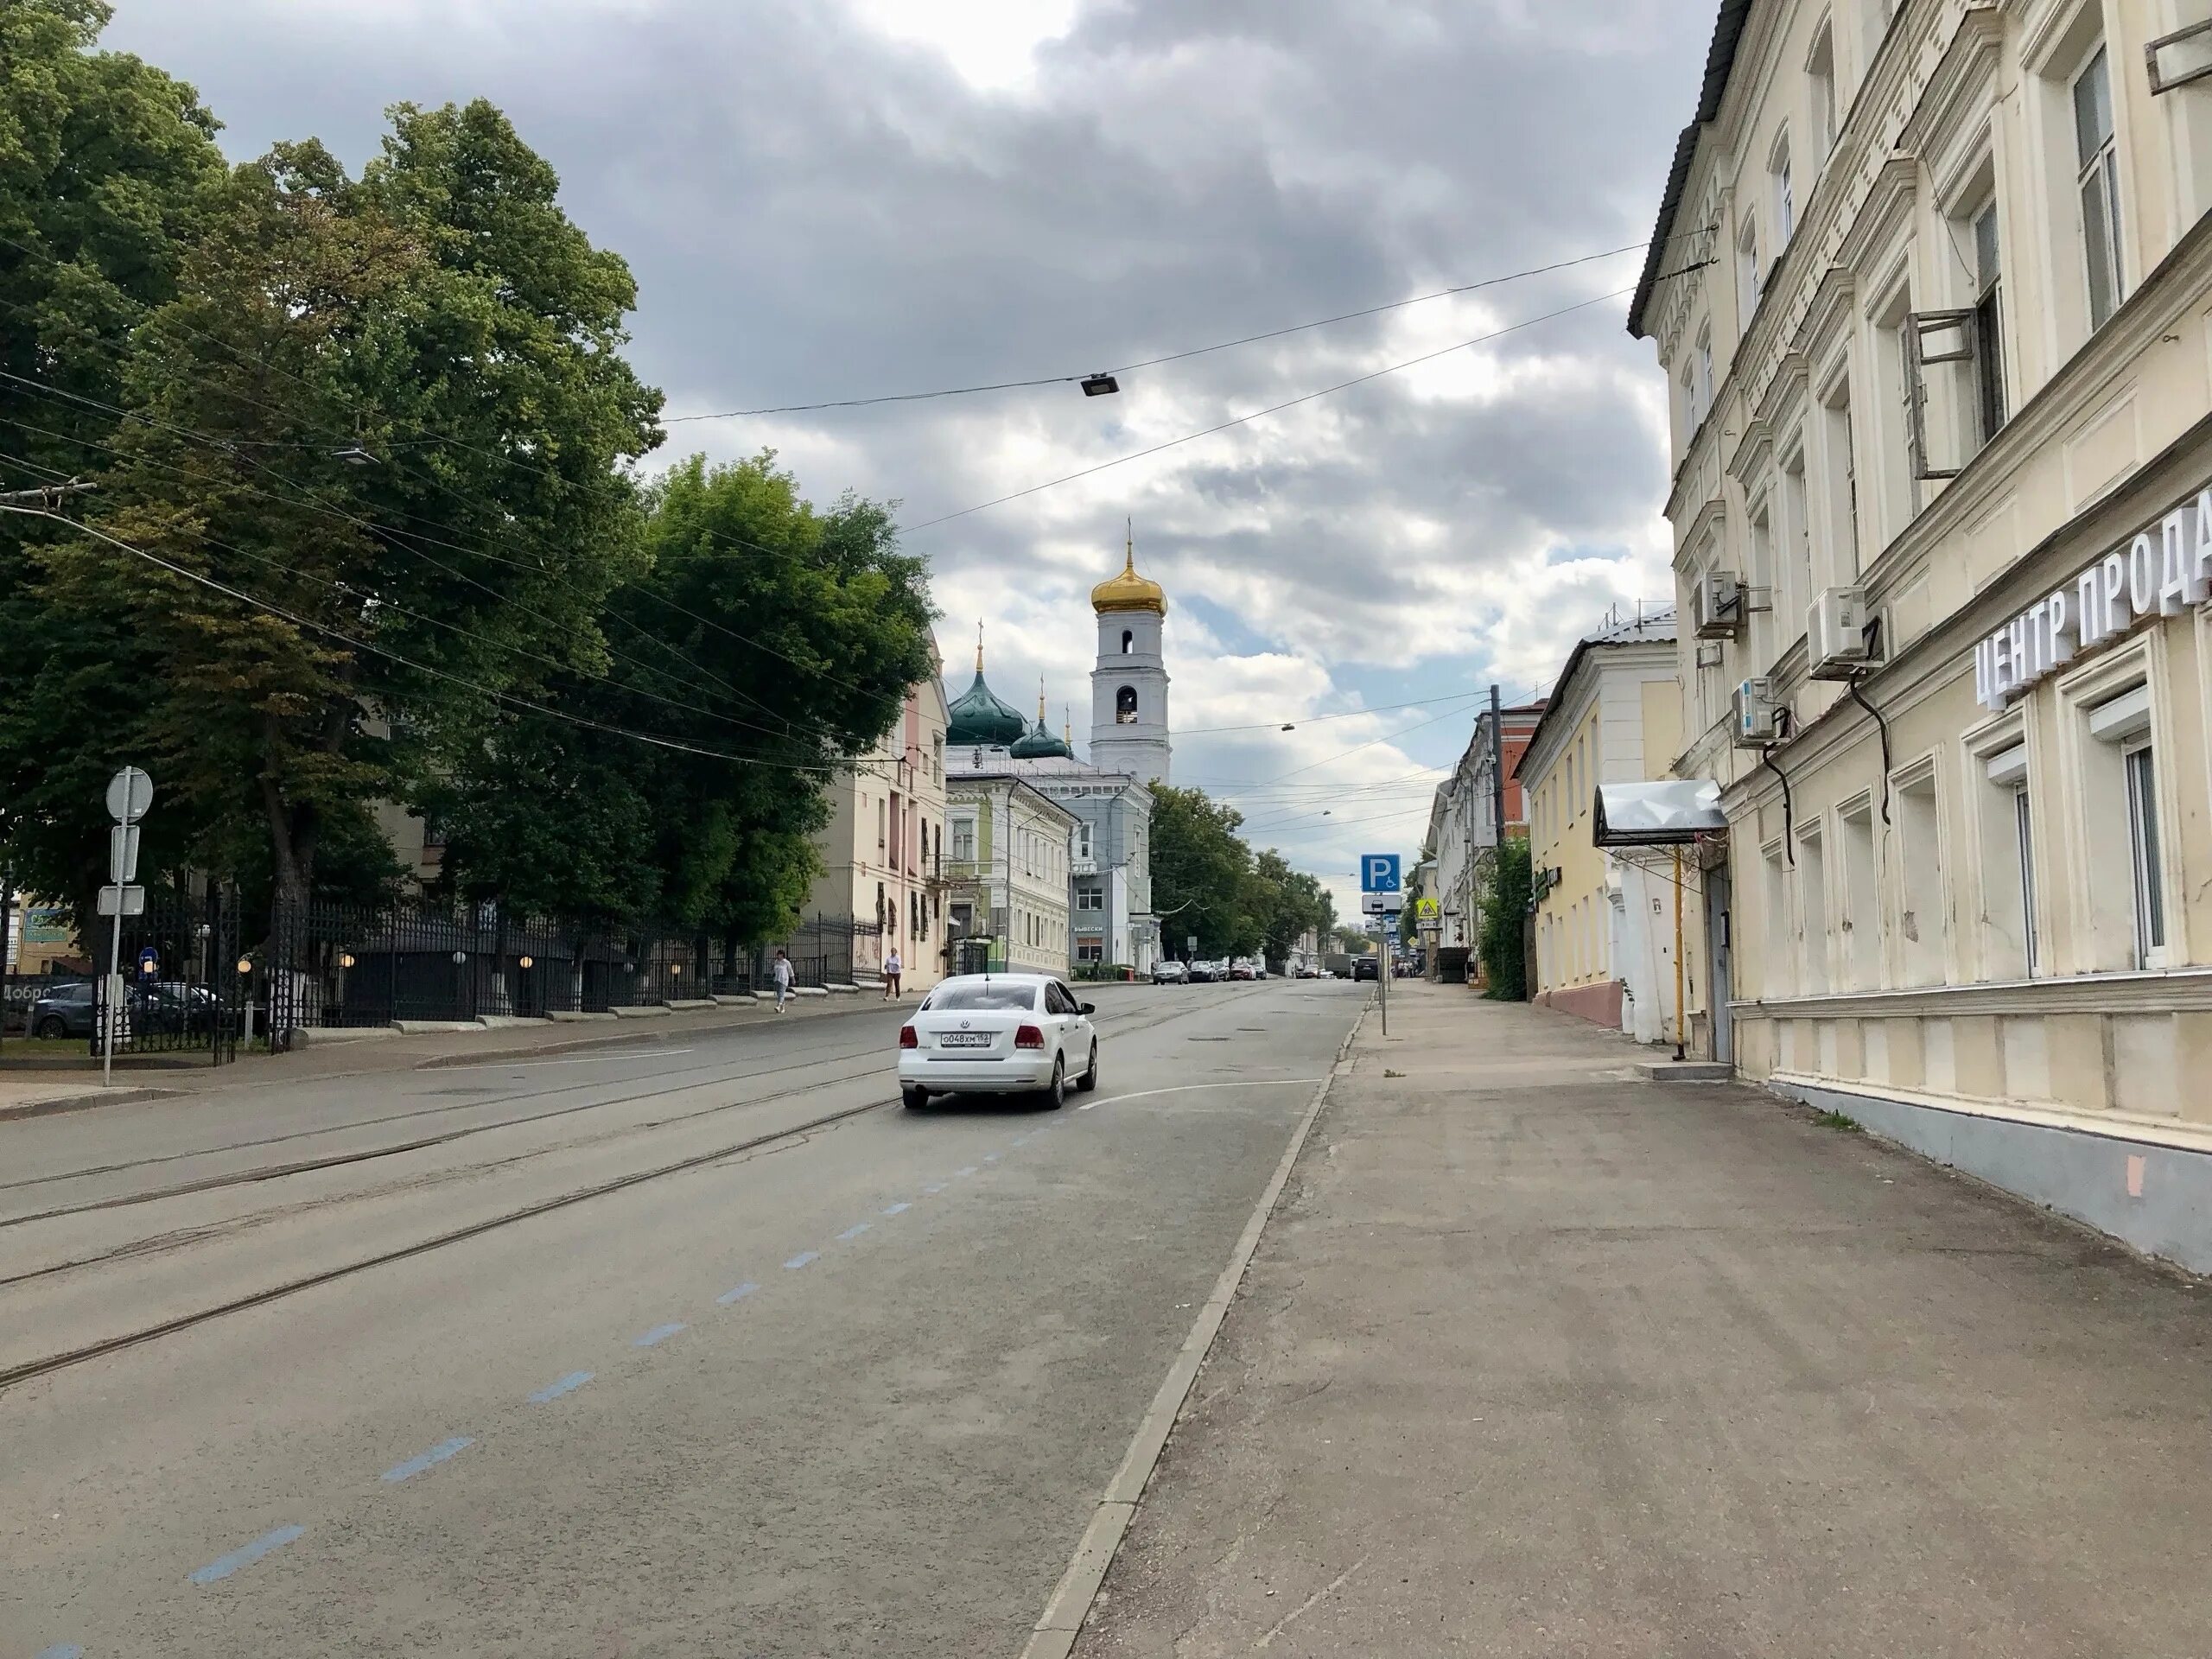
{"x": 1128, "y": 688}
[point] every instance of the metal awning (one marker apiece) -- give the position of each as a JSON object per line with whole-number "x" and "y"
{"x": 1668, "y": 813}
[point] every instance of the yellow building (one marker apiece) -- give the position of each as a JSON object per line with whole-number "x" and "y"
{"x": 1615, "y": 718}
{"x": 1932, "y": 284}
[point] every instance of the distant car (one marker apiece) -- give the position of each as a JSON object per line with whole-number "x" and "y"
{"x": 1367, "y": 968}
{"x": 1241, "y": 969}
{"x": 1306, "y": 970}
{"x": 1201, "y": 972}
{"x": 1259, "y": 969}
{"x": 64, "y": 1011}
{"x": 998, "y": 1033}
{"x": 1168, "y": 972}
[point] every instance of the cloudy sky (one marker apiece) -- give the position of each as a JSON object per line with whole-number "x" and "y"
{"x": 835, "y": 199}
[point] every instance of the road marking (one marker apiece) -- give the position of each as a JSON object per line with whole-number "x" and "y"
{"x": 62, "y": 1650}
{"x": 246, "y": 1554}
{"x": 1185, "y": 1088}
{"x": 436, "y": 1455}
{"x": 932, "y": 1192}
{"x": 657, "y": 1335}
{"x": 583, "y": 1059}
{"x": 736, "y": 1294}
{"x": 993, "y": 1157}
{"x": 971, "y": 1170}
{"x": 897, "y": 1208}
{"x": 1021, "y": 1140}
{"x": 568, "y": 1384}
{"x": 802, "y": 1259}
{"x": 853, "y": 1232}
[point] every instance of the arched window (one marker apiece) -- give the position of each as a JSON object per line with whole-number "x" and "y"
{"x": 1125, "y": 706}
{"x": 1128, "y": 641}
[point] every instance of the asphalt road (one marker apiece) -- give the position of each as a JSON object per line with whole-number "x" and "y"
{"x": 704, "y": 1347}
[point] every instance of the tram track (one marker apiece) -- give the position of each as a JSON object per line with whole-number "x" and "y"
{"x": 29, "y": 1370}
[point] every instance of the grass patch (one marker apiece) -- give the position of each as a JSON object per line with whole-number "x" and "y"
{"x": 1840, "y": 1121}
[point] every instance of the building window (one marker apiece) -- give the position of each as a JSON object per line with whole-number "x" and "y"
{"x": 1125, "y": 706}
{"x": 1128, "y": 641}
{"x": 1813, "y": 909}
{"x": 1860, "y": 927}
{"x": 1819, "y": 88}
{"x": 2143, "y": 849}
{"x": 1090, "y": 950}
{"x": 1795, "y": 590}
{"x": 2097, "y": 159}
{"x": 1747, "y": 271}
{"x": 1784, "y": 200}
{"x": 2008, "y": 898}
{"x": 1841, "y": 460}
{"x": 1703, "y": 367}
{"x": 964, "y": 840}
{"x": 1988, "y": 326}
{"x": 1083, "y": 840}
{"x": 1922, "y": 893}
{"x": 1778, "y": 953}
{"x": 1896, "y": 381}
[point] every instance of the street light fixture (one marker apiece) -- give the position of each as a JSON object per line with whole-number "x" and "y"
{"x": 1098, "y": 386}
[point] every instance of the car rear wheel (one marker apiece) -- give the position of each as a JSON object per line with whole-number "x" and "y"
{"x": 915, "y": 1096}
{"x": 52, "y": 1027}
{"x": 1056, "y": 1091}
{"x": 1089, "y": 1080}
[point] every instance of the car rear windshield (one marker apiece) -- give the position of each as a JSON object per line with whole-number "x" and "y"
{"x": 1012, "y": 999}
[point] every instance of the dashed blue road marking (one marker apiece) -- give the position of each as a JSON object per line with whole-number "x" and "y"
{"x": 736, "y": 1294}
{"x": 853, "y": 1232}
{"x": 246, "y": 1554}
{"x": 932, "y": 1192}
{"x": 1020, "y": 1140}
{"x": 993, "y": 1157}
{"x": 895, "y": 1209}
{"x": 971, "y": 1170}
{"x": 802, "y": 1259}
{"x": 62, "y": 1650}
{"x": 659, "y": 1334}
{"x": 436, "y": 1455}
{"x": 568, "y": 1384}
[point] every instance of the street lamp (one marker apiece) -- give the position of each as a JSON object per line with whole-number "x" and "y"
{"x": 1098, "y": 386}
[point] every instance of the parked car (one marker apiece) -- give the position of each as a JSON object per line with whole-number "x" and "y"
{"x": 998, "y": 1033}
{"x": 1367, "y": 968}
{"x": 1168, "y": 972}
{"x": 1201, "y": 972}
{"x": 1241, "y": 968}
{"x": 64, "y": 1011}
{"x": 1307, "y": 970}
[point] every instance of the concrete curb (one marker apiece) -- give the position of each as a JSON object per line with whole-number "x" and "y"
{"x": 1054, "y": 1636}
{"x": 643, "y": 1011}
{"x": 80, "y": 1103}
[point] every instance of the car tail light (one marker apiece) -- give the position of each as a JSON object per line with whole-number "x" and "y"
{"x": 1029, "y": 1037}
{"x": 908, "y": 1038}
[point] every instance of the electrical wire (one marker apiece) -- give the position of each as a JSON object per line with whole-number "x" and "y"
{"x": 1155, "y": 362}
{"x": 1258, "y": 414}
{"x": 347, "y": 639}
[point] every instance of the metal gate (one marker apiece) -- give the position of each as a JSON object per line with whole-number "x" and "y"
{"x": 178, "y": 967}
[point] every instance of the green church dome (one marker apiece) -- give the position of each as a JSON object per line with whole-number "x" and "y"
{"x": 979, "y": 718}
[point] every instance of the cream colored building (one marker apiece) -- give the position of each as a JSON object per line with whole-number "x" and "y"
{"x": 1006, "y": 869}
{"x": 879, "y": 850}
{"x": 1614, "y": 718}
{"x": 1933, "y": 289}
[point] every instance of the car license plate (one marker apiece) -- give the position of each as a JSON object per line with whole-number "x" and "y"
{"x": 963, "y": 1039}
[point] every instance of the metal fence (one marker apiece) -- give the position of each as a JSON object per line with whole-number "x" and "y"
{"x": 178, "y": 971}
{"x": 332, "y": 964}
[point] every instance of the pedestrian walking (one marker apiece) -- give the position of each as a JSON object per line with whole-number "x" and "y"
{"x": 781, "y": 970}
{"x": 891, "y": 966}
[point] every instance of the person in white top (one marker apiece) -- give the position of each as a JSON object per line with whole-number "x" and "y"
{"x": 891, "y": 966}
{"x": 781, "y": 970}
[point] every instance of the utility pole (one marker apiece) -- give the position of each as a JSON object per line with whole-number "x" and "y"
{"x": 46, "y": 497}
{"x": 1496, "y": 773}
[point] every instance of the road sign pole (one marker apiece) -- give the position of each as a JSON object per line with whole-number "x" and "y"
{"x": 130, "y": 792}
{"x": 114, "y": 984}
{"x": 1385, "y": 977}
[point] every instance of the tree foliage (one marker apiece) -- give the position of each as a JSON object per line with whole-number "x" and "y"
{"x": 1205, "y": 880}
{"x": 1505, "y": 907}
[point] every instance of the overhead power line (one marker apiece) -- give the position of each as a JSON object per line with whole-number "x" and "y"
{"x": 1155, "y": 362}
{"x": 1272, "y": 408}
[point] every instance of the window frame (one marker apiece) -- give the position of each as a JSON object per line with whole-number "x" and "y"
{"x": 2102, "y": 164}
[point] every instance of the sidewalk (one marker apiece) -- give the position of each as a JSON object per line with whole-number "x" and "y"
{"x": 1537, "y": 1358}
{"x": 34, "y": 1091}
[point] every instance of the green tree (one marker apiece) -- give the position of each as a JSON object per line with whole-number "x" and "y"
{"x": 379, "y": 448}
{"x": 1505, "y": 907}
{"x": 1202, "y": 872}
{"x": 104, "y": 162}
{"x": 1287, "y": 903}
{"x": 789, "y": 639}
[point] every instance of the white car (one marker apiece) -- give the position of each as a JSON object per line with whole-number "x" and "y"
{"x": 998, "y": 1033}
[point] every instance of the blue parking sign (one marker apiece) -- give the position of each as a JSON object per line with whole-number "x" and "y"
{"x": 1378, "y": 873}
{"x": 149, "y": 961}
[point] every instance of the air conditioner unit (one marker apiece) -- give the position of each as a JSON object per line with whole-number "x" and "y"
{"x": 1759, "y": 716}
{"x": 1835, "y": 634}
{"x": 1717, "y": 605}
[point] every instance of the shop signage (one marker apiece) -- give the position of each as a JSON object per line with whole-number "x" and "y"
{"x": 2161, "y": 572}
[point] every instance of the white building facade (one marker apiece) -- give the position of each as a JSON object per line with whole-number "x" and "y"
{"x": 1932, "y": 289}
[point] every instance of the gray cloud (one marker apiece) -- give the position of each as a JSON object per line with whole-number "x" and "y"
{"x": 817, "y": 209}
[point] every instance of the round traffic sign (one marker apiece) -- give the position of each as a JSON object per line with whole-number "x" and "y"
{"x": 130, "y": 792}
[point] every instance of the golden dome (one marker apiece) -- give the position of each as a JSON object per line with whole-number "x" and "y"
{"x": 1129, "y": 591}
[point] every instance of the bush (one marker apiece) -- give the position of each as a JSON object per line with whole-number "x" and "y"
{"x": 1505, "y": 907}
